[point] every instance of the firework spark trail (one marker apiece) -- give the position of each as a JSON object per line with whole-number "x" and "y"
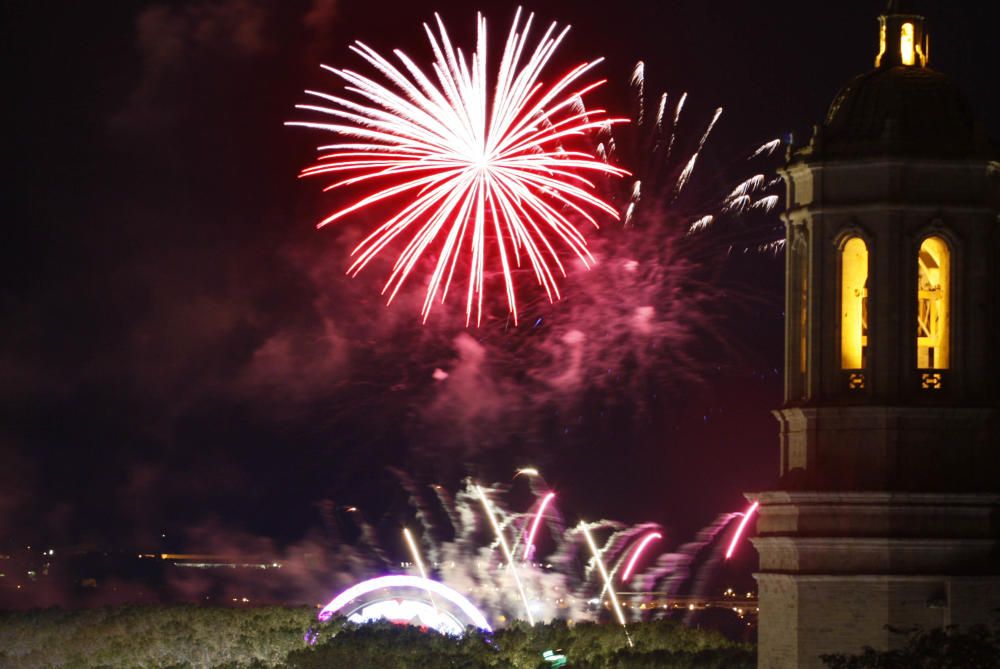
{"x": 701, "y": 224}
{"x": 775, "y": 247}
{"x": 467, "y": 500}
{"x": 506, "y": 552}
{"x": 619, "y": 542}
{"x": 689, "y": 168}
{"x": 767, "y": 203}
{"x": 530, "y": 543}
{"x": 540, "y": 488}
{"x": 749, "y": 186}
{"x": 650, "y": 161}
{"x": 677, "y": 119}
{"x": 368, "y": 536}
{"x": 701, "y": 580}
{"x": 616, "y": 540}
{"x": 447, "y": 504}
{"x": 638, "y": 299}
{"x": 423, "y": 514}
{"x": 639, "y": 82}
{"x": 607, "y": 581}
{"x": 652, "y": 536}
{"x": 553, "y": 519}
{"x": 739, "y": 530}
{"x": 768, "y": 148}
{"x": 465, "y": 560}
{"x": 647, "y": 312}
{"x": 672, "y": 570}
{"x": 533, "y": 477}
{"x": 660, "y": 110}
{"x": 414, "y": 552}
{"x": 420, "y": 563}
{"x": 565, "y": 558}
{"x": 481, "y": 168}
{"x": 738, "y": 204}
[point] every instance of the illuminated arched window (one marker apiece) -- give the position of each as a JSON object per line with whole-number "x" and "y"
{"x": 881, "y": 44}
{"x": 933, "y": 294}
{"x": 907, "y": 46}
{"x": 854, "y": 304}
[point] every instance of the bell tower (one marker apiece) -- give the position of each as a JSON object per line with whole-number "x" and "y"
{"x": 887, "y": 510}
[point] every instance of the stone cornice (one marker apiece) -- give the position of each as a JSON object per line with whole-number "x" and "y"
{"x": 871, "y": 578}
{"x": 812, "y": 210}
{"x": 874, "y": 498}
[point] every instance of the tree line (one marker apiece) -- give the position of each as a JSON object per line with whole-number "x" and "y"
{"x": 274, "y": 637}
{"x": 192, "y": 637}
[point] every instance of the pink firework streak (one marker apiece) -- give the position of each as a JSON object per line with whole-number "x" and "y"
{"x": 530, "y": 544}
{"x": 739, "y": 529}
{"x": 652, "y": 536}
{"x": 480, "y": 169}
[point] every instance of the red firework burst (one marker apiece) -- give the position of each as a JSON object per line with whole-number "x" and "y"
{"x": 480, "y": 175}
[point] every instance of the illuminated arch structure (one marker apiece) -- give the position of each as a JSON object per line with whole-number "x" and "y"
{"x": 409, "y": 600}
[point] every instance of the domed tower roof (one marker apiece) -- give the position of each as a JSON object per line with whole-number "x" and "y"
{"x": 903, "y": 107}
{"x": 901, "y": 110}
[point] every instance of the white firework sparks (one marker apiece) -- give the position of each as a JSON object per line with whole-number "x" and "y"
{"x": 479, "y": 165}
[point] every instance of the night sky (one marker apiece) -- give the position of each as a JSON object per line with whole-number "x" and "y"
{"x": 180, "y": 348}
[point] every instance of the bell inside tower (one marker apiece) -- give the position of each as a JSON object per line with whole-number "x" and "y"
{"x": 933, "y": 273}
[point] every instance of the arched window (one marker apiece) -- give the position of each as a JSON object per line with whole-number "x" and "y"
{"x": 854, "y": 304}
{"x": 803, "y": 317}
{"x": 907, "y": 45}
{"x": 798, "y": 315}
{"x": 881, "y": 43}
{"x": 933, "y": 296}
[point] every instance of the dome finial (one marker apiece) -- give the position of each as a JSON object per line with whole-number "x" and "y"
{"x": 902, "y": 38}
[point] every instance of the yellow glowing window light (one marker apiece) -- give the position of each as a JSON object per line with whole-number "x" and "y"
{"x": 933, "y": 326}
{"x": 881, "y": 44}
{"x": 907, "y": 47}
{"x": 853, "y": 304}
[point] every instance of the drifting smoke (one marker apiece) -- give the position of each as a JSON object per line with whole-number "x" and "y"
{"x": 642, "y": 325}
{"x": 250, "y": 353}
{"x": 650, "y": 313}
